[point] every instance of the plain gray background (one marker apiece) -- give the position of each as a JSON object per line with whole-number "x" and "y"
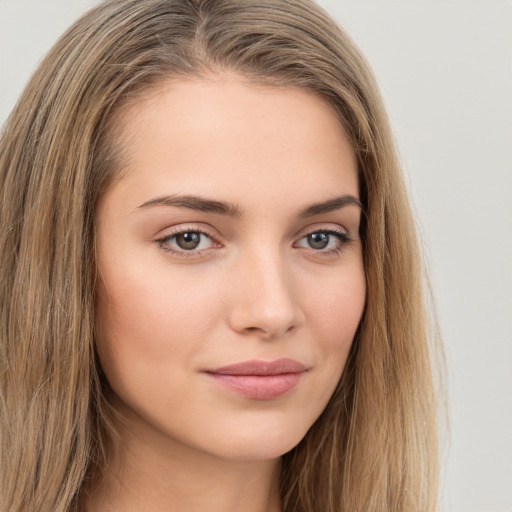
{"x": 445, "y": 69}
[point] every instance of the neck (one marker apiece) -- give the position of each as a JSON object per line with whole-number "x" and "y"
{"x": 166, "y": 476}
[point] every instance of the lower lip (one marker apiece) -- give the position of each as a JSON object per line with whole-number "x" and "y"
{"x": 259, "y": 387}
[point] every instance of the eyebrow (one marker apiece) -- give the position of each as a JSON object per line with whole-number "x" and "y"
{"x": 330, "y": 205}
{"x": 202, "y": 204}
{"x": 196, "y": 203}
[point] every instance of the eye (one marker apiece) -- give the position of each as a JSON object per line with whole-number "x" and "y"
{"x": 324, "y": 240}
{"x": 186, "y": 241}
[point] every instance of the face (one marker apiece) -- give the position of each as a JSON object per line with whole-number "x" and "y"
{"x": 231, "y": 280}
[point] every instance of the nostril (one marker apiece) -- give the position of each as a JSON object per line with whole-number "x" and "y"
{"x": 268, "y": 333}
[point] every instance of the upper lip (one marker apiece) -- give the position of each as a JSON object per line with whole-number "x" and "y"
{"x": 256, "y": 367}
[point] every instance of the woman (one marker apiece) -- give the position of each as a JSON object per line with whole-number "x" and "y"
{"x": 211, "y": 290}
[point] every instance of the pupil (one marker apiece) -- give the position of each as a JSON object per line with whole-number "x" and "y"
{"x": 318, "y": 240}
{"x": 188, "y": 240}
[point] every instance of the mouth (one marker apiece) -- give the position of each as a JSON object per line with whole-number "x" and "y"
{"x": 259, "y": 380}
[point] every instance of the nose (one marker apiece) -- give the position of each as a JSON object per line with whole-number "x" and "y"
{"x": 265, "y": 303}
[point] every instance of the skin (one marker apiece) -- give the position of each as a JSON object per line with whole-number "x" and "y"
{"x": 253, "y": 289}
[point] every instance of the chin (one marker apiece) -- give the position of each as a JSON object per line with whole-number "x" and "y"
{"x": 267, "y": 445}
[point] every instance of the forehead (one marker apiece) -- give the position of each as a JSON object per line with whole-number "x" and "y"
{"x": 201, "y": 135}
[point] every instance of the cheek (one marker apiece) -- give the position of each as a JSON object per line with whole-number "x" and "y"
{"x": 149, "y": 335}
{"x": 334, "y": 314}
{"x": 146, "y": 320}
{"x": 336, "y": 308}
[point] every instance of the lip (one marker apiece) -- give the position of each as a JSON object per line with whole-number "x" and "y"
{"x": 260, "y": 380}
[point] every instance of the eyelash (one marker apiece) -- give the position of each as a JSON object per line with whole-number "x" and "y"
{"x": 342, "y": 236}
{"x": 182, "y": 253}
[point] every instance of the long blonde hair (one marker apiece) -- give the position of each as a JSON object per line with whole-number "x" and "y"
{"x": 374, "y": 448}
